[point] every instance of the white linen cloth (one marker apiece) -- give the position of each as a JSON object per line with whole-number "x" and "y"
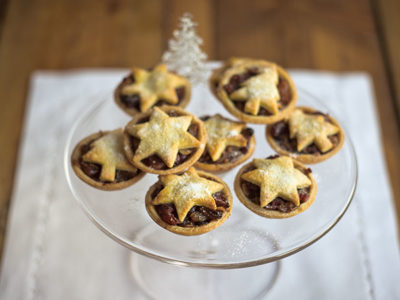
{"x": 54, "y": 252}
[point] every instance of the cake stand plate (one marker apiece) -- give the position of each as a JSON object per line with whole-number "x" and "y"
{"x": 245, "y": 240}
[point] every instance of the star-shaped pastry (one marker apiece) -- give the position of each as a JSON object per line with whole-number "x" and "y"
{"x": 163, "y": 135}
{"x": 154, "y": 85}
{"x": 260, "y": 90}
{"x": 222, "y": 133}
{"x": 277, "y": 178}
{"x": 186, "y": 191}
{"x": 108, "y": 152}
{"x": 308, "y": 129}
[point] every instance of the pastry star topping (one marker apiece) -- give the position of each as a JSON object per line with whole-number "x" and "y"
{"x": 163, "y": 135}
{"x": 260, "y": 90}
{"x": 310, "y": 129}
{"x": 108, "y": 152}
{"x": 277, "y": 177}
{"x": 222, "y": 133}
{"x": 154, "y": 85}
{"x": 187, "y": 190}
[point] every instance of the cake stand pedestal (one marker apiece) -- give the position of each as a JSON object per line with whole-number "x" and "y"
{"x": 160, "y": 280}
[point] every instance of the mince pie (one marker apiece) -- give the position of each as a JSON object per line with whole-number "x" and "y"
{"x": 164, "y": 140}
{"x": 255, "y": 91}
{"x": 275, "y": 187}
{"x": 307, "y": 134}
{"x": 228, "y": 144}
{"x": 143, "y": 89}
{"x": 189, "y": 203}
{"x": 99, "y": 160}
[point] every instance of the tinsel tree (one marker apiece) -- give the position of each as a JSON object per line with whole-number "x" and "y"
{"x": 184, "y": 54}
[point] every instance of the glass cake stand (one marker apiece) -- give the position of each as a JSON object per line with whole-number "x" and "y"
{"x": 239, "y": 259}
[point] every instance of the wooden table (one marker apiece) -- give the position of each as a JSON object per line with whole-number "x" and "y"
{"x": 342, "y": 35}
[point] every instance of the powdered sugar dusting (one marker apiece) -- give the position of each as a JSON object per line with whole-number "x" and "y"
{"x": 193, "y": 189}
{"x": 263, "y": 86}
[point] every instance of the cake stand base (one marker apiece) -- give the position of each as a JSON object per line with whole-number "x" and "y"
{"x": 160, "y": 280}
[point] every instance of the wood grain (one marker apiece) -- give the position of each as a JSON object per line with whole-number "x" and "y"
{"x": 388, "y": 23}
{"x": 3, "y": 9}
{"x": 328, "y": 35}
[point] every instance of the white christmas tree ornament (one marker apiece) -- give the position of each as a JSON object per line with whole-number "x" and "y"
{"x": 184, "y": 55}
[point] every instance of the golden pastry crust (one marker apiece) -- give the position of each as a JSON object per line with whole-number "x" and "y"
{"x": 106, "y": 186}
{"x": 221, "y": 77}
{"x": 197, "y": 229}
{"x": 157, "y": 139}
{"x": 177, "y": 82}
{"x": 303, "y": 157}
{"x": 222, "y": 133}
{"x": 269, "y": 213}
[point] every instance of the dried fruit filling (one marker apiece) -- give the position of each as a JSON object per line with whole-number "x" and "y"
{"x": 236, "y": 81}
{"x": 93, "y": 170}
{"x": 154, "y": 161}
{"x": 231, "y": 153}
{"x": 252, "y": 192}
{"x": 280, "y": 132}
{"x": 197, "y": 216}
{"x": 133, "y": 101}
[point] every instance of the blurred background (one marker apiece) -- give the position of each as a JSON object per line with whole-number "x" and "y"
{"x": 341, "y": 35}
